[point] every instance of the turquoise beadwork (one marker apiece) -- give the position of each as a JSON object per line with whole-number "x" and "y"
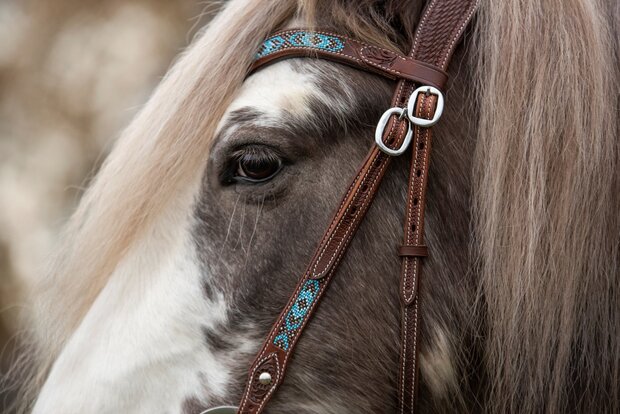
{"x": 305, "y": 39}
{"x": 297, "y": 314}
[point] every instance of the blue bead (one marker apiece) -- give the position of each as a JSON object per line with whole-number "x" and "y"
{"x": 305, "y": 39}
{"x": 297, "y": 314}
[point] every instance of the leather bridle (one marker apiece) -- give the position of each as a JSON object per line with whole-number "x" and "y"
{"x": 406, "y": 125}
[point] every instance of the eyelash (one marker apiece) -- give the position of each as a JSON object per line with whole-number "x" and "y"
{"x": 261, "y": 154}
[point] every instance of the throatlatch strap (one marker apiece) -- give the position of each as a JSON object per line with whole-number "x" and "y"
{"x": 440, "y": 28}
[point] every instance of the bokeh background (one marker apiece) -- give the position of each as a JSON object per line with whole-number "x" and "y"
{"x": 72, "y": 75}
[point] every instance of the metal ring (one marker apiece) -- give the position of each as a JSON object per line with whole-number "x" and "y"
{"x": 422, "y": 122}
{"x": 221, "y": 410}
{"x": 381, "y": 129}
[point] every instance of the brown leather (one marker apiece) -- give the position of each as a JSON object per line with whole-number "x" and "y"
{"x": 440, "y": 28}
{"x": 361, "y": 55}
{"x": 413, "y": 251}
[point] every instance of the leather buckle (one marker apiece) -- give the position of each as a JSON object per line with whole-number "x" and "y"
{"x": 383, "y": 121}
{"x": 422, "y": 122}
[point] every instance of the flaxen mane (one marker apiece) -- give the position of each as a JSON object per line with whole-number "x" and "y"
{"x": 546, "y": 196}
{"x": 547, "y": 203}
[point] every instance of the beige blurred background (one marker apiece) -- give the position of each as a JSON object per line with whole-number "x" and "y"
{"x": 72, "y": 75}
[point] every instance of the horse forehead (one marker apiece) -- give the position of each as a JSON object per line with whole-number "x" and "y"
{"x": 283, "y": 86}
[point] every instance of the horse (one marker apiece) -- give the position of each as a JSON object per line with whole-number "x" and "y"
{"x": 191, "y": 237}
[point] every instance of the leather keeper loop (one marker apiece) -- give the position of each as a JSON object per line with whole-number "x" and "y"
{"x": 413, "y": 251}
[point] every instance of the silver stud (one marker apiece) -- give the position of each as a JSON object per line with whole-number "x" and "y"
{"x": 264, "y": 378}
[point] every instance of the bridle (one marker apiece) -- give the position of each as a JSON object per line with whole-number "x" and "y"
{"x": 405, "y": 125}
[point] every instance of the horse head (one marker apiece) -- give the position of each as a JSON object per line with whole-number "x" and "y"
{"x": 194, "y": 233}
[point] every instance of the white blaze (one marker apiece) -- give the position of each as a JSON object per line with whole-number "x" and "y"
{"x": 141, "y": 348}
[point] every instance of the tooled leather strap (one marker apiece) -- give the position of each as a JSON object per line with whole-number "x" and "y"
{"x": 267, "y": 372}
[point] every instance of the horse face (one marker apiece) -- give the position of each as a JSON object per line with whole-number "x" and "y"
{"x": 180, "y": 335}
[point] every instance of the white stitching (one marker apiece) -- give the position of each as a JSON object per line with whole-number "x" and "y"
{"x": 378, "y": 65}
{"x": 459, "y": 32}
{"x": 414, "y": 49}
{"x": 409, "y": 213}
{"x": 339, "y": 224}
{"x": 273, "y": 388}
{"x": 404, "y": 359}
{"x": 318, "y": 275}
{"x": 415, "y": 349}
{"x": 414, "y": 237}
{"x": 256, "y": 366}
{"x": 384, "y": 67}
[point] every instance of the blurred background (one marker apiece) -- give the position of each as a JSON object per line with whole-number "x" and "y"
{"x": 72, "y": 75}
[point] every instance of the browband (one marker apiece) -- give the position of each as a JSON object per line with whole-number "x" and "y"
{"x": 320, "y": 44}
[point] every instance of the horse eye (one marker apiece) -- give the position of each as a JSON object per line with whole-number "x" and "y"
{"x": 257, "y": 166}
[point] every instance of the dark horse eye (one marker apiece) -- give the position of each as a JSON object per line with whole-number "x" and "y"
{"x": 257, "y": 165}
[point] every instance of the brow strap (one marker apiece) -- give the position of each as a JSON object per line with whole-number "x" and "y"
{"x": 440, "y": 29}
{"x": 330, "y": 46}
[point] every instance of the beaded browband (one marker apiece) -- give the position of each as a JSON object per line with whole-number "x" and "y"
{"x": 341, "y": 49}
{"x": 417, "y": 104}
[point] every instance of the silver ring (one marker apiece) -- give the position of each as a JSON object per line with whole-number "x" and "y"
{"x": 422, "y": 122}
{"x": 381, "y": 129}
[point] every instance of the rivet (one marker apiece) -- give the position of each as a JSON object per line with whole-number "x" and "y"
{"x": 264, "y": 378}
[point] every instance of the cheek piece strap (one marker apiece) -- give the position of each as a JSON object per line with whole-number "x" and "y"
{"x": 416, "y": 105}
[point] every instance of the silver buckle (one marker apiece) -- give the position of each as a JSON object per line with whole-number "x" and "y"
{"x": 414, "y": 98}
{"x": 381, "y": 128}
{"x": 421, "y": 122}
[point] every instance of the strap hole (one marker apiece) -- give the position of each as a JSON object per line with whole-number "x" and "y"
{"x": 353, "y": 210}
{"x": 421, "y": 146}
{"x": 418, "y": 173}
{"x": 413, "y": 228}
{"x": 364, "y": 188}
{"x": 415, "y": 201}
